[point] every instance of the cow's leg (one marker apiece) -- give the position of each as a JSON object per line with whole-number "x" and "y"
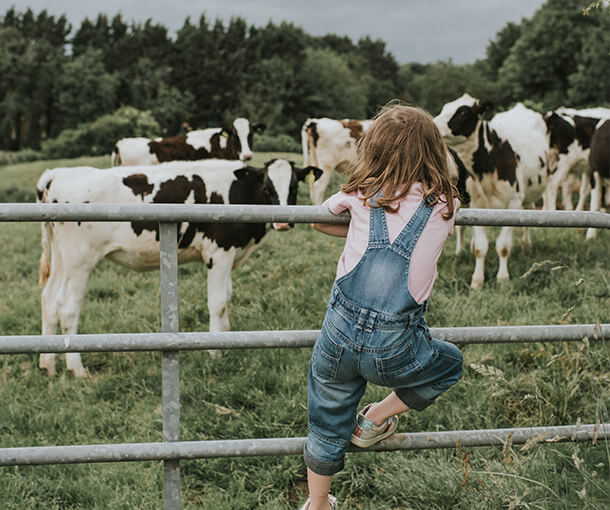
{"x": 549, "y": 197}
{"x": 71, "y": 300}
{"x": 219, "y": 289}
{"x": 317, "y": 189}
{"x": 480, "y": 246}
{"x": 50, "y": 317}
{"x": 459, "y": 238}
{"x": 504, "y": 245}
{"x": 585, "y": 188}
{"x": 566, "y": 194}
{"x": 596, "y": 201}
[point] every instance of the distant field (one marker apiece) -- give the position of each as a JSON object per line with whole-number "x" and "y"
{"x": 262, "y": 393}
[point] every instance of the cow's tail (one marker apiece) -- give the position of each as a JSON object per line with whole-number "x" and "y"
{"x": 47, "y": 233}
{"x": 116, "y": 157}
{"x": 305, "y": 143}
{"x": 45, "y": 257}
{"x": 309, "y": 147}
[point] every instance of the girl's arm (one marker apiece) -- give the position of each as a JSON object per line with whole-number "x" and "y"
{"x": 331, "y": 229}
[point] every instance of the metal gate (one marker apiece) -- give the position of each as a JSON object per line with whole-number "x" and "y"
{"x": 171, "y": 342}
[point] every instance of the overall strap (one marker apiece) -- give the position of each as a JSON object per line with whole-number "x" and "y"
{"x": 408, "y": 237}
{"x": 378, "y": 228}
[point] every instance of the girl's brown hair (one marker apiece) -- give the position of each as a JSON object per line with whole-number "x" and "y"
{"x": 402, "y": 146}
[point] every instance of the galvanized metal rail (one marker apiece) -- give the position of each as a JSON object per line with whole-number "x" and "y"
{"x": 171, "y": 342}
{"x": 119, "y": 342}
{"x": 207, "y": 213}
{"x": 175, "y": 451}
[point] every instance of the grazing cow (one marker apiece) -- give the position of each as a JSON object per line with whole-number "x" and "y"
{"x": 506, "y": 159}
{"x": 599, "y": 162}
{"x": 76, "y": 247}
{"x": 570, "y": 132}
{"x": 210, "y": 143}
{"x": 329, "y": 144}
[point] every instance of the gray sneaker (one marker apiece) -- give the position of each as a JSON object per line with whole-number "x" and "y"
{"x": 331, "y": 500}
{"x": 366, "y": 433}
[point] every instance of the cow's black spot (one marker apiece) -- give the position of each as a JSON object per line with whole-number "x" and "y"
{"x": 481, "y": 162}
{"x": 599, "y": 157}
{"x": 215, "y": 198}
{"x": 584, "y": 128}
{"x": 561, "y": 133}
{"x": 312, "y": 129}
{"x": 500, "y": 158}
{"x": 462, "y": 176}
{"x": 175, "y": 191}
{"x": 139, "y": 184}
{"x": 464, "y": 121}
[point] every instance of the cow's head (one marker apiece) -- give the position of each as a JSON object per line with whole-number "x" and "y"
{"x": 243, "y": 137}
{"x": 460, "y": 117}
{"x": 276, "y": 183}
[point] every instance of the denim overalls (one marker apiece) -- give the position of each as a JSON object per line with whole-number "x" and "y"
{"x": 375, "y": 331}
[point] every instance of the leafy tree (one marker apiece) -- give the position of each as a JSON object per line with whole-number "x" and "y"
{"x": 379, "y": 71}
{"x": 498, "y": 50}
{"x": 85, "y": 90}
{"x": 272, "y": 86}
{"x": 170, "y": 109}
{"x": 590, "y": 83}
{"x": 547, "y": 53}
{"x": 31, "y": 53}
{"x": 329, "y": 87}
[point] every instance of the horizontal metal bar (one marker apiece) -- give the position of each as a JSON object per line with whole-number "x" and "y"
{"x": 116, "y": 342}
{"x": 130, "y": 452}
{"x": 275, "y": 213}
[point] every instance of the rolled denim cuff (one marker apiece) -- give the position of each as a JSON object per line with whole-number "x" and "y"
{"x": 412, "y": 399}
{"x": 319, "y": 466}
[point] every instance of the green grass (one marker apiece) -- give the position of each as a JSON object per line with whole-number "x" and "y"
{"x": 262, "y": 393}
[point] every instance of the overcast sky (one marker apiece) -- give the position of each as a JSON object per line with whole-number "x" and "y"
{"x": 414, "y": 30}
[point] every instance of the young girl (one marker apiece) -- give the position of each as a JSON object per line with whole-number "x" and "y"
{"x": 402, "y": 204}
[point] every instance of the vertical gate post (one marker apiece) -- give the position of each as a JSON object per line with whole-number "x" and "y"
{"x": 168, "y": 233}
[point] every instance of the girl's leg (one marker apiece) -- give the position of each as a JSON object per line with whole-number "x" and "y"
{"x": 319, "y": 486}
{"x": 389, "y": 406}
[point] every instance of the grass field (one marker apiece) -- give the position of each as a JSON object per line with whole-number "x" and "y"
{"x": 262, "y": 393}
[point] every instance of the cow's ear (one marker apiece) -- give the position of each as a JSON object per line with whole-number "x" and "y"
{"x": 484, "y": 107}
{"x": 309, "y": 174}
{"x": 259, "y": 127}
{"x": 249, "y": 172}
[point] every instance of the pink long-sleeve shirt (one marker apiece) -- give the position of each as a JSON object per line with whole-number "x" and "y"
{"x": 422, "y": 272}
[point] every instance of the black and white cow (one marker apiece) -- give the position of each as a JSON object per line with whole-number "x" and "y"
{"x": 506, "y": 159}
{"x": 72, "y": 249}
{"x": 211, "y": 143}
{"x": 599, "y": 163}
{"x": 329, "y": 144}
{"x": 570, "y": 132}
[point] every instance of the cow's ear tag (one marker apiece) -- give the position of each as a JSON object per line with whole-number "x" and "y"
{"x": 225, "y": 134}
{"x": 310, "y": 178}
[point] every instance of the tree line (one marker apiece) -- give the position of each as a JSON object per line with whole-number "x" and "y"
{"x": 55, "y": 78}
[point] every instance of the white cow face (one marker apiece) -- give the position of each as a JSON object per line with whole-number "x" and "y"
{"x": 242, "y": 128}
{"x": 282, "y": 182}
{"x": 459, "y": 117}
